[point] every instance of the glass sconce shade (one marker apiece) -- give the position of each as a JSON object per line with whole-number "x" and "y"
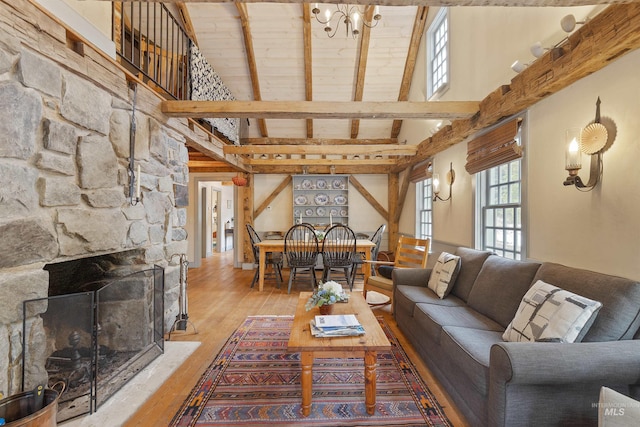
{"x": 573, "y": 157}
{"x": 435, "y": 181}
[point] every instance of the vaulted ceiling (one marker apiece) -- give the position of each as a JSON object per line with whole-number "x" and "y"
{"x": 310, "y": 100}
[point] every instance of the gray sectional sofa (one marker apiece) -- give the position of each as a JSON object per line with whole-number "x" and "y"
{"x": 498, "y": 383}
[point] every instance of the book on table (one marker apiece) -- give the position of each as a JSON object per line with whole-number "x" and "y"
{"x": 339, "y": 325}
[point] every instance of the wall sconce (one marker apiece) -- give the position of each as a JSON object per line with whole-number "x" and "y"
{"x": 537, "y": 50}
{"x": 435, "y": 179}
{"x": 591, "y": 140}
{"x": 568, "y": 23}
{"x": 518, "y": 66}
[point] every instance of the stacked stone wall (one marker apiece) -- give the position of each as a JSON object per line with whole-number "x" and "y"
{"x": 64, "y": 181}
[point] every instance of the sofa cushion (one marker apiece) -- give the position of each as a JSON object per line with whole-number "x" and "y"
{"x": 548, "y": 313}
{"x": 411, "y": 295}
{"x": 471, "y": 261}
{"x": 432, "y": 317}
{"x": 500, "y": 286}
{"x": 444, "y": 274}
{"x": 619, "y": 316}
{"x": 469, "y": 350}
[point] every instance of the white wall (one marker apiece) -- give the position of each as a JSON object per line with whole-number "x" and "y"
{"x": 597, "y": 230}
{"x": 91, "y": 19}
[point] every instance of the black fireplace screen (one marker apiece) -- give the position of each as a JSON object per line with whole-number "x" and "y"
{"x": 94, "y": 341}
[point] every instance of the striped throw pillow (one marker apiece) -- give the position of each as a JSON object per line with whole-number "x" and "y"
{"x": 444, "y": 274}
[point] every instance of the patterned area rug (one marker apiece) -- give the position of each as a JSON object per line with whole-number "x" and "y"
{"x": 254, "y": 381}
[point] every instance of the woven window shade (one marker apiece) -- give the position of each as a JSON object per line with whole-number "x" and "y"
{"x": 419, "y": 172}
{"x": 494, "y": 148}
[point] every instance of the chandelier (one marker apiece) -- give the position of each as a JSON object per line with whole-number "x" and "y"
{"x": 350, "y": 15}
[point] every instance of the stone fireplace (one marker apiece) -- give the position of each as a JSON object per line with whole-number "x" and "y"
{"x": 64, "y": 192}
{"x": 102, "y": 323}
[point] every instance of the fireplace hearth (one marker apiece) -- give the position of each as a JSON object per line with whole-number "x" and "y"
{"x": 100, "y": 336}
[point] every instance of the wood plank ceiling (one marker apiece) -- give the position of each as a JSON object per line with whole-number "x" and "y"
{"x": 316, "y": 101}
{"x": 278, "y": 53}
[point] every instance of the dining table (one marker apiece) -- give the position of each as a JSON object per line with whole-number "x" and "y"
{"x": 277, "y": 245}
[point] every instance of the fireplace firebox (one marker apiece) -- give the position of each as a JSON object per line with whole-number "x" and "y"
{"x": 100, "y": 336}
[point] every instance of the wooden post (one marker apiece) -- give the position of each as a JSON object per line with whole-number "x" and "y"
{"x": 394, "y": 190}
{"x": 245, "y": 197}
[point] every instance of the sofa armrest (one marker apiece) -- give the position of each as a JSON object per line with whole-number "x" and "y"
{"x": 411, "y": 276}
{"x": 614, "y": 362}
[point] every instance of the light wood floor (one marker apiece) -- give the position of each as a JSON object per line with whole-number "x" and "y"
{"x": 219, "y": 300}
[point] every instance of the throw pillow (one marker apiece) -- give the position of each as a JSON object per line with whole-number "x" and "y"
{"x": 444, "y": 274}
{"x": 548, "y": 313}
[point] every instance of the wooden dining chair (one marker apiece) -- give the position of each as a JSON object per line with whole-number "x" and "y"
{"x": 338, "y": 251}
{"x": 301, "y": 250}
{"x": 410, "y": 253}
{"x": 274, "y": 259}
{"x": 359, "y": 260}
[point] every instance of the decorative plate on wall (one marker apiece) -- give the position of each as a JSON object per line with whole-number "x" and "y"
{"x": 340, "y": 200}
{"x": 306, "y": 184}
{"x": 321, "y": 211}
{"x": 334, "y": 211}
{"x": 321, "y": 199}
{"x": 308, "y": 212}
{"x": 337, "y": 184}
{"x": 321, "y": 184}
{"x": 301, "y": 199}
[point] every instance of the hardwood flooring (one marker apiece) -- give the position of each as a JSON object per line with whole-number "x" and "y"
{"x": 220, "y": 298}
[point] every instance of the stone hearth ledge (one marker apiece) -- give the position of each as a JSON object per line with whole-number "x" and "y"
{"x": 122, "y": 405}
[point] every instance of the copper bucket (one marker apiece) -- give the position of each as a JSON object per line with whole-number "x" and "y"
{"x": 35, "y": 408}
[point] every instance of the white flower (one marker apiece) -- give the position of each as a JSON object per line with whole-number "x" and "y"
{"x": 333, "y": 287}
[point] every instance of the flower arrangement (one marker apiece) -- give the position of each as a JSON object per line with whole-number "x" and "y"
{"x": 328, "y": 293}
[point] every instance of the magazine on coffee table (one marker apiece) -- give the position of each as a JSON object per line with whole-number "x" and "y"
{"x": 342, "y": 325}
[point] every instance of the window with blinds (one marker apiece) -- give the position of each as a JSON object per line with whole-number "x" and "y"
{"x": 496, "y": 159}
{"x": 494, "y": 148}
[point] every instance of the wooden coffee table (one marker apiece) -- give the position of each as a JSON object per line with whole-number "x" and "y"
{"x": 365, "y": 346}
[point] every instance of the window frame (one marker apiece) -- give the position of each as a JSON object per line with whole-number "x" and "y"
{"x": 422, "y": 187}
{"x": 441, "y": 18}
{"x": 483, "y": 187}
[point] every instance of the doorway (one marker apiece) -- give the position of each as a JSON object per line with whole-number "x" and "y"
{"x": 210, "y": 218}
{"x": 216, "y": 197}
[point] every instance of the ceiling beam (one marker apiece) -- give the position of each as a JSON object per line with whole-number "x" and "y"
{"x": 321, "y": 162}
{"x": 308, "y": 69}
{"x": 410, "y": 64}
{"x": 186, "y": 21}
{"x": 438, "y": 110}
{"x": 361, "y": 66}
{"x": 251, "y": 61}
{"x": 315, "y": 141}
{"x": 390, "y": 150}
{"x": 431, "y": 3}
{"x": 609, "y": 35}
{"x": 280, "y": 169}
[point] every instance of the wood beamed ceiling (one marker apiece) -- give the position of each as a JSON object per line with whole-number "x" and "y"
{"x": 266, "y": 149}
